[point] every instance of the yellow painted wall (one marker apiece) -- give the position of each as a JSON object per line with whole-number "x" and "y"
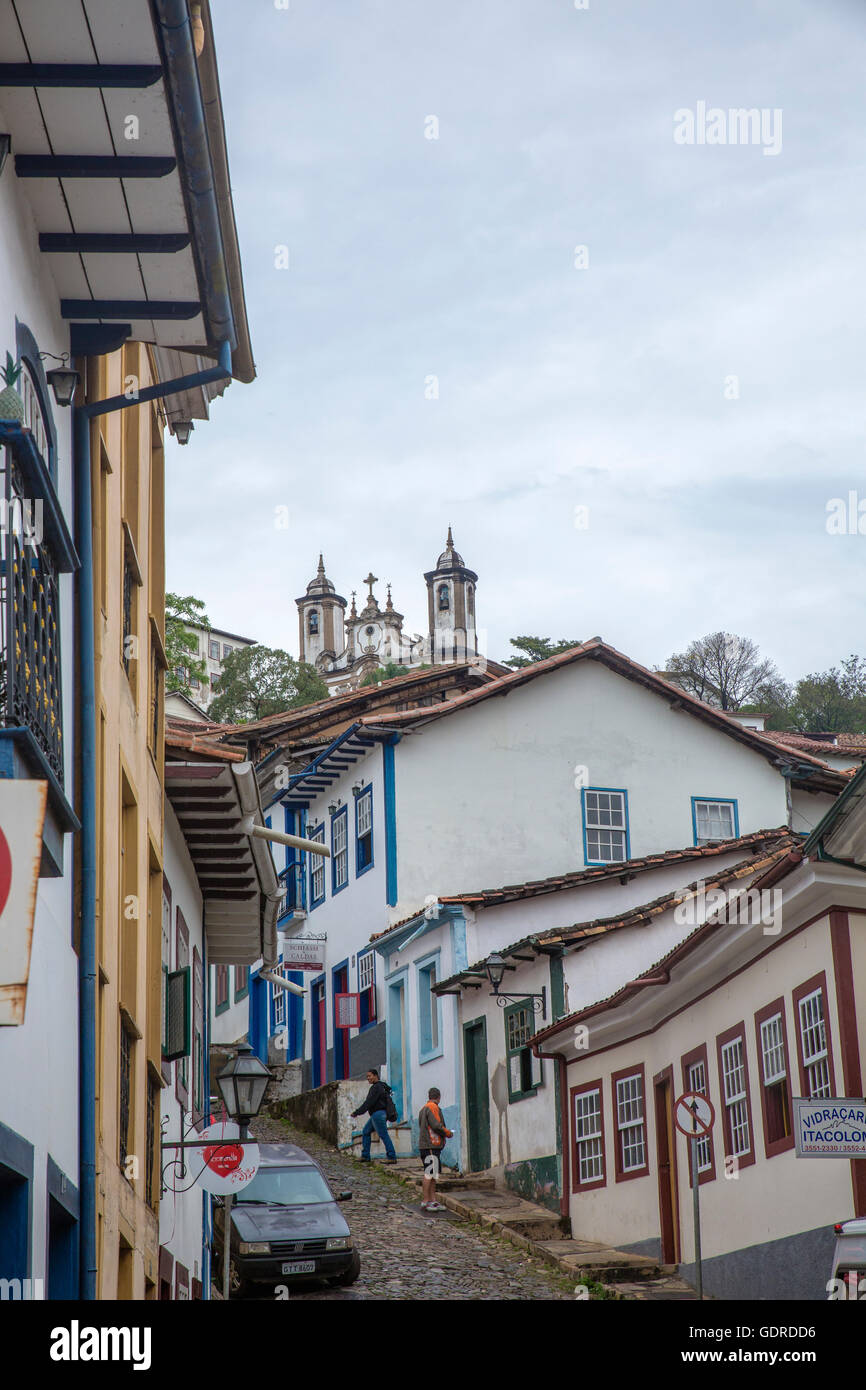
{"x": 128, "y": 535}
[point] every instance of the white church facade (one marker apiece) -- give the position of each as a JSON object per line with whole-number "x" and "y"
{"x": 345, "y": 648}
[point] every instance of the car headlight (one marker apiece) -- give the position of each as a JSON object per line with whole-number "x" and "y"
{"x": 255, "y": 1247}
{"x": 339, "y": 1243}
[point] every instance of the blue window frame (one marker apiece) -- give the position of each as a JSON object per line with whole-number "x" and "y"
{"x": 340, "y": 850}
{"x": 367, "y": 987}
{"x": 364, "y": 832}
{"x": 317, "y": 866}
{"x": 429, "y": 1009}
{"x": 605, "y": 825}
{"x": 714, "y": 818}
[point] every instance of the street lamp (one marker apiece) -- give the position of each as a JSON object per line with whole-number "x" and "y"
{"x": 242, "y": 1084}
{"x": 182, "y": 430}
{"x": 496, "y": 967}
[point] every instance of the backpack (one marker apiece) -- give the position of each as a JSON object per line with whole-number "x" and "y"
{"x": 390, "y": 1108}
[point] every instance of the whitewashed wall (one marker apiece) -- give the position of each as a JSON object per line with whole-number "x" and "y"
{"x": 487, "y": 795}
{"x": 43, "y": 1109}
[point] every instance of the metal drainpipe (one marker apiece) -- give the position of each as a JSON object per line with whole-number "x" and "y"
{"x": 82, "y": 416}
{"x": 563, "y": 1124}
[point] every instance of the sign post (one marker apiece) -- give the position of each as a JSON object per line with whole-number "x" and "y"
{"x": 694, "y": 1117}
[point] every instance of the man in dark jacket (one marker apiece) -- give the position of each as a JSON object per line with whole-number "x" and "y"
{"x": 376, "y": 1106}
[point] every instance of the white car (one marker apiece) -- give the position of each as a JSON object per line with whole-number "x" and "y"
{"x": 848, "y": 1277}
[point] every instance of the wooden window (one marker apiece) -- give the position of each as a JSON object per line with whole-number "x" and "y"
{"x": 714, "y": 820}
{"x": 605, "y": 825}
{"x": 367, "y": 987}
{"x": 317, "y": 868}
{"x": 629, "y": 1113}
{"x": 181, "y": 1071}
{"x": 588, "y": 1162}
{"x": 772, "y": 1043}
{"x": 279, "y": 997}
{"x": 166, "y": 963}
{"x": 221, "y": 988}
{"x": 127, "y": 1077}
{"x": 736, "y": 1100}
{"x": 340, "y": 850}
{"x": 428, "y": 1011}
{"x": 817, "y": 1078}
{"x": 524, "y": 1068}
{"x": 364, "y": 831}
{"x": 198, "y": 1097}
{"x": 213, "y": 650}
{"x": 696, "y": 1078}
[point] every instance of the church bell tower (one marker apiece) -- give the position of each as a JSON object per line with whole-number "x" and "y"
{"x": 451, "y": 608}
{"x": 321, "y": 613}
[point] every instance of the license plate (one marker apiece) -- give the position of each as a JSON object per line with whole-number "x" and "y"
{"x": 300, "y": 1267}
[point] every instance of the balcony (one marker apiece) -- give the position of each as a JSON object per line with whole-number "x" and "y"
{"x": 294, "y": 880}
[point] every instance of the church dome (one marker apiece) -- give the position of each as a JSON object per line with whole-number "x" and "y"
{"x": 321, "y": 584}
{"x": 450, "y": 558}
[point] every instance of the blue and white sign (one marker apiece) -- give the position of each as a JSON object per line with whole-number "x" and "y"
{"x": 831, "y": 1128}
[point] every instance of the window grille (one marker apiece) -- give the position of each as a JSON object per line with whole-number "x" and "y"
{"x": 317, "y": 867}
{"x": 605, "y": 824}
{"x": 340, "y": 850}
{"x": 125, "y": 1092}
{"x": 813, "y": 1038}
{"x": 734, "y": 1088}
{"x": 630, "y": 1122}
{"x": 151, "y": 1142}
{"x": 773, "y": 1050}
{"x": 588, "y": 1134}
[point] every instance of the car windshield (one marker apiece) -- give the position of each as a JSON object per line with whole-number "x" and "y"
{"x": 287, "y": 1187}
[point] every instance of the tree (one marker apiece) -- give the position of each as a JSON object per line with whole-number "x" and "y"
{"x": 536, "y": 649}
{"x": 180, "y": 643}
{"x": 385, "y": 673}
{"x": 833, "y": 700}
{"x": 727, "y": 671}
{"x": 257, "y": 681}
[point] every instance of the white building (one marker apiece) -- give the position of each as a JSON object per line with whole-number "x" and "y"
{"x": 752, "y": 1018}
{"x": 214, "y": 645}
{"x": 580, "y": 761}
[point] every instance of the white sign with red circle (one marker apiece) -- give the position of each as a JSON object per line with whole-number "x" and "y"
{"x": 694, "y": 1115}
{"x": 22, "y": 816}
{"x": 226, "y": 1164}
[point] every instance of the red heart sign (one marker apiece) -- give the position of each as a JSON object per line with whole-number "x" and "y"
{"x": 224, "y": 1158}
{"x": 5, "y": 871}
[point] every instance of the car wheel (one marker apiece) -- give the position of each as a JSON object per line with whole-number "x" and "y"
{"x": 350, "y": 1275}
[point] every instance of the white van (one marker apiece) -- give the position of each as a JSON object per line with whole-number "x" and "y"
{"x": 848, "y": 1277}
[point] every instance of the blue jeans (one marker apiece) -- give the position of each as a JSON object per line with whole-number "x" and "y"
{"x": 378, "y": 1122}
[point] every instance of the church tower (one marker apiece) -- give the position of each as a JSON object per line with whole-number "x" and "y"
{"x": 321, "y": 614}
{"x": 451, "y": 608}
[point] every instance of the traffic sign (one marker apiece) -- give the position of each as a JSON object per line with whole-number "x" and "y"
{"x": 227, "y": 1165}
{"x": 694, "y": 1115}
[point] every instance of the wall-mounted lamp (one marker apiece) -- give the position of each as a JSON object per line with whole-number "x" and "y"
{"x": 357, "y": 788}
{"x": 182, "y": 430}
{"x": 496, "y": 967}
{"x": 63, "y": 379}
{"x": 334, "y": 806}
{"x": 5, "y": 147}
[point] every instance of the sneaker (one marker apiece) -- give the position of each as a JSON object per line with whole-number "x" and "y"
{"x": 435, "y": 1206}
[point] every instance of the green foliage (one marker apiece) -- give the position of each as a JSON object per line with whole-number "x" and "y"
{"x": 831, "y": 701}
{"x": 385, "y": 673}
{"x": 12, "y": 371}
{"x": 180, "y": 643}
{"x": 534, "y": 649}
{"x": 257, "y": 681}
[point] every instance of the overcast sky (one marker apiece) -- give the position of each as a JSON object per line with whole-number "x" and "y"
{"x": 607, "y": 387}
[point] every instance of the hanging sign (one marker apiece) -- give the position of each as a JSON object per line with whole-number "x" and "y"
{"x": 304, "y": 953}
{"x": 22, "y": 815}
{"x": 830, "y": 1128}
{"x": 227, "y": 1164}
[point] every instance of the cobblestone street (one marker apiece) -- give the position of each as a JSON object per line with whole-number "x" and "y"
{"x": 408, "y": 1254}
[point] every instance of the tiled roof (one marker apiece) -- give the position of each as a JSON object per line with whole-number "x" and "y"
{"x": 755, "y": 873}
{"x": 841, "y": 744}
{"x": 202, "y": 745}
{"x": 488, "y": 897}
{"x": 597, "y": 650}
{"x": 777, "y": 848}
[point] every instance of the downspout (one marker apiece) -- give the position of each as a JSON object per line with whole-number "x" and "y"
{"x": 82, "y": 416}
{"x": 562, "y": 1067}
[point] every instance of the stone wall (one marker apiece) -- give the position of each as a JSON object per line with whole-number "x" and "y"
{"x": 326, "y": 1110}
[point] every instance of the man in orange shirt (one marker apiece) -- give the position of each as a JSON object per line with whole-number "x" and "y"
{"x": 432, "y": 1135}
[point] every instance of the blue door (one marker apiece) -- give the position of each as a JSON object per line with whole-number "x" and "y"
{"x": 398, "y": 1061}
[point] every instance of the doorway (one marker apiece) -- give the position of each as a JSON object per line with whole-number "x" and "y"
{"x": 320, "y": 1032}
{"x": 477, "y": 1095}
{"x": 340, "y": 976}
{"x": 398, "y": 1060}
{"x": 666, "y": 1155}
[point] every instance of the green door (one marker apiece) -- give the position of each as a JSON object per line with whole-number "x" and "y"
{"x": 477, "y": 1094}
